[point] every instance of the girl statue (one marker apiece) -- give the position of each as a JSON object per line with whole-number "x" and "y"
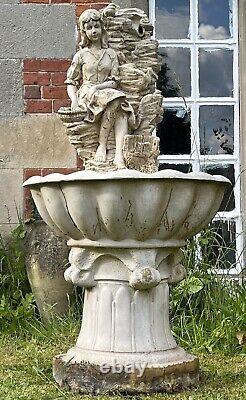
{"x": 96, "y": 65}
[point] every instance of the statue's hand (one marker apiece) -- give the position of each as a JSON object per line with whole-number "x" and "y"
{"x": 74, "y": 105}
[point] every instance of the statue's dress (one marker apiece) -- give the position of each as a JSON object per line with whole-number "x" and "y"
{"x": 93, "y": 68}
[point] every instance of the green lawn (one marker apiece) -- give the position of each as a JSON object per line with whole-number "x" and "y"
{"x": 26, "y": 370}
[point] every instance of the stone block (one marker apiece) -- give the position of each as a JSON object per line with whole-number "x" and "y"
{"x": 11, "y": 102}
{"x": 37, "y": 31}
{"x": 11, "y": 195}
{"x": 10, "y": 1}
{"x": 142, "y": 4}
{"x": 35, "y": 141}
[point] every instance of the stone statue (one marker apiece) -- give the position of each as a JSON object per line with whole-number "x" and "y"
{"x": 97, "y": 65}
{"x": 116, "y": 108}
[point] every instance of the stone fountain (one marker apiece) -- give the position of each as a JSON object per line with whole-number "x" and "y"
{"x": 125, "y": 222}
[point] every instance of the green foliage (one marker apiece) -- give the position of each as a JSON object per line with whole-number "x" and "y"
{"x": 16, "y": 299}
{"x": 207, "y": 310}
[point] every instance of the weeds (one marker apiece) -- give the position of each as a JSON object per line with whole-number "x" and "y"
{"x": 16, "y": 300}
{"x": 207, "y": 310}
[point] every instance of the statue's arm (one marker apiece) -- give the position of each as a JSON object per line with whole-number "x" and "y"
{"x": 72, "y": 94}
{"x": 74, "y": 75}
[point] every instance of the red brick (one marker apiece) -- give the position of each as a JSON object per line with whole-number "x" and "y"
{"x": 54, "y": 92}
{"x": 82, "y": 7}
{"x": 32, "y": 92}
{"x": 30, "y": 65}
{"x": 83, "y": 1}
{"x": 54, "y": 65}
{"x": 47, "y": 171}
{"x": 60, "y": 103}
{"x": 36, "y": 78}
{"x": 60, "y": 1}
{"x": 28, "y": 172}
{"x": 58, "y": 78}
{"x": 38, "y": 106}
{"x": 80, "y": 163}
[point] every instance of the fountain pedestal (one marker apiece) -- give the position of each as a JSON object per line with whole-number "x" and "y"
{"x": 125, "y": 343}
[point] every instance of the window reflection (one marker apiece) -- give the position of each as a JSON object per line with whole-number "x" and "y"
{"x": 228, "y": 202}
{"x": 172, "y": 19}
{"x": 174, "y": 132}
{"x": 221, "y": 251}
{"x": 177, "y": 167}
{"x": 216, "y": 72}
{"x": 175, "y": 78}
{"x": 216, "y": 129}
{"x": 214, "y": 19}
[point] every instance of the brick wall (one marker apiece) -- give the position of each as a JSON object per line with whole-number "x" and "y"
{"x": 44, "y": 88}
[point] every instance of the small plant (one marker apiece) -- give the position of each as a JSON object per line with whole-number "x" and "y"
{"x": 16, "y": 300}
{"x": 207, "y": 310}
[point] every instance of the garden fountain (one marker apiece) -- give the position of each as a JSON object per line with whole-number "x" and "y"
{"x": 125, "y": 222}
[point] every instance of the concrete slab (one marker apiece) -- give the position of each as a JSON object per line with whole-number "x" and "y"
{"x": 35, "y": 141}
{"x": 37, "y": 31}
{"x": 11, "y": 102}
{"x": 11, "y": 195}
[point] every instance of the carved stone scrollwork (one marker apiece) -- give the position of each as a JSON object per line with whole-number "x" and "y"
{"x": 142, "y": 266}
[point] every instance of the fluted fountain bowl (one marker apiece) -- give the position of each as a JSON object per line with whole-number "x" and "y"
{"x": 127, "y": 208}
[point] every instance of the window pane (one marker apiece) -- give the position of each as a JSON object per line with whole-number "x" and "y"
{"x": 228, "y": 202}
{"x": 214, "y": 19}
{"x": 174, "y": 132}
{"x": 221, "y": 250}
{"x": 174, "y": 78}
{"x": 216, "y": 72}
{"x": 172, "y": 19}
{"x": 177, "y": 167}
{"x": 216, "y": 129}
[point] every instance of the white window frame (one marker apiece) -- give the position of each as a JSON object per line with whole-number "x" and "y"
{"x": 194, "y": 101}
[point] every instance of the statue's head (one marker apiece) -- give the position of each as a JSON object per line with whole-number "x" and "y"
{"x": 91, "y": 27}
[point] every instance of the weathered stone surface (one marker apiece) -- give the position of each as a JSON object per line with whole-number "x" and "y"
{"x": 11, "y": 102}
{"x": 46, "y": 260}
{"x": 37, "y": 31}
{"x": 11, "y": 195}
{"x": 88, "y": 378}
{"x": 10, "y": 1}
{"x": 35, "y": 141}
{"x": 142, "y": 4}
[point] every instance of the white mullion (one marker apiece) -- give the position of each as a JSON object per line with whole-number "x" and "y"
{"x": 237, "y": 167}
{"x": 152, "y": 16}
{"x": 175, "y": 42}
{"x": 219, "y": 158}
{"x": 175, "y": 159}
{"x": 195, "y": 83}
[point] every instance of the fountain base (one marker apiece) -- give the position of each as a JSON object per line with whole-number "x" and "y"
{"x": 170, "y": 376}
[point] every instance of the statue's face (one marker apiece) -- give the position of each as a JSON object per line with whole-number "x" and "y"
{"x": 93, "y": 30}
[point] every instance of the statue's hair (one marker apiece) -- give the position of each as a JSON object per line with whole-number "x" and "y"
{"x": 87, "y": 16}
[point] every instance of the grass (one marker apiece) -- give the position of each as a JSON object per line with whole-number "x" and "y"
{"x": 26, "y": 368}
